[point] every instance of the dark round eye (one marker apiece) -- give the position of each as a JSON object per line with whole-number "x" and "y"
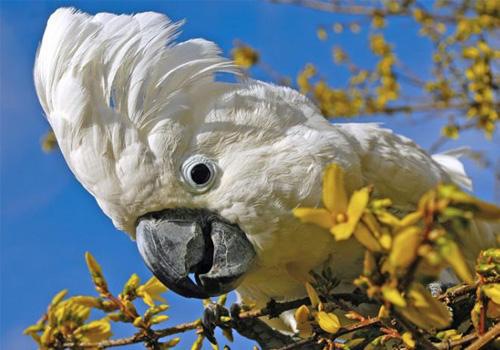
{"x": 198, "y": 173}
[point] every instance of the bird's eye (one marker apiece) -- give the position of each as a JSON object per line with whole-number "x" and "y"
{"x": 198, "y": 173}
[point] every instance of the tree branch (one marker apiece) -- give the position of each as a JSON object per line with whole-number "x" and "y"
{"x": 450, "y": 295}
{"x": 447, "y": 345}
{"x": 358, "y": 9}
{"x": 355, "y": 327}
{"x": 486, "y": 338}
{"x": 136, "y": 338}
{"x": 273, "y": 309}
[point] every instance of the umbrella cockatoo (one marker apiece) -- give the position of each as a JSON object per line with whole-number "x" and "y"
{"x": 205, "y": 174}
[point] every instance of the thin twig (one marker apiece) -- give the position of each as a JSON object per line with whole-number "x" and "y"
{"x": 137, "y": 338}
{"x": 486, "y": 338}
{"x": 438, "y": 144}
{"x": 360, "y": 10}
{"x": 419, "y": 338}
{"x": 299, "y": 344}
{"x": 274, "y": 309}
{"x": 423, "y": 107}
{"x": 355, "y": 327}
{"x": 451, "y": 294}
{"x": 447, "y": 345}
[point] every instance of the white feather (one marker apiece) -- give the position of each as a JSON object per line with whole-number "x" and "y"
{"x": 449, "y": 161}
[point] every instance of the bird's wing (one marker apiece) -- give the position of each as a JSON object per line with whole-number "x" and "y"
{"x": 397, "y": 167}
{"x": 403, "y": 172}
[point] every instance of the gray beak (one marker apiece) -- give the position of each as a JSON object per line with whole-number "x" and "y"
{"x": 177, "y": 242}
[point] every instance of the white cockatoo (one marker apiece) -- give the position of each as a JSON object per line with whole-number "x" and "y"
{"x": 205, "y": 174}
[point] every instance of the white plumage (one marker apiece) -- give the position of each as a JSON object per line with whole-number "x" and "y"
{"x": 128, "y": 106}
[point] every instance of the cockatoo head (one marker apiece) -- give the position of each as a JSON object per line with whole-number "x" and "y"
{"x": 199, "y": 172}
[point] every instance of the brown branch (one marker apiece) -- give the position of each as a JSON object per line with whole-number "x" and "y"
{"x": 438, "y": 144}
{"x": 274, "y": 309}
{"x": 419, "y": 337}
{"x": 408, "y": 74}
{"x": 451, "y": 294}
{"x": 355, "y": 327}
{"x": 420, "y": 108}
{"x": 425, "y": 107}
{"x": 299, "y": 344}
{"x": 447, "y": 345}
{"x": 359, "y": 10}
{"x": 136, "y": 338}
{"x": 443, "y": 139}
{"x": 493, "y": 333}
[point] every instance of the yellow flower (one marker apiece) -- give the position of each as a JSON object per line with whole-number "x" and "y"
{"x": 338, "y": 28}
{"x": 340, "y": 215}
{"x": 329, "y": 322}
{"x": 405, "y": 248}
{"x": 393, "y": 295}
{"x": 378, "y": 21}
{"x": 94, "y": 331}
{"x": 493, "y": 292}
{"x": 49, "y": 142}
{"x": 339, "y": 55}
{"x": 313, "y": 295}
{"x": 96, "y": 273}
{"x": 303, "y": 78}
{"x": 198, "y": 343}
{"x": 451, "y": 131}
{"x": 171, "y": 343}
{"x": 408, "y": 340}
{"x": 450, "y": 251}
{"x": 245, "y": 56}
{"x": 151, "y": 291}
{"x": 355, "y": 28}
{"x": 305, "y": 316}
{"x": 322, "y": 34}
{"x": 423, "y": 309}
{"x": 58, "y": 297}
{"x": 304, "y": 325}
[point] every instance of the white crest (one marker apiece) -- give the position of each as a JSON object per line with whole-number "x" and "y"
{"x": 108, "y": 84}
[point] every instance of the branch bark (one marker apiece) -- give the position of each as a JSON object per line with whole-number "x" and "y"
{"x": 493, "y": 333}
{"x": 136, "y": 338}
{"x": 358, "y": 9}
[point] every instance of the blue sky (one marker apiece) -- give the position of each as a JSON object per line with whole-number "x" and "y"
{"x": 48, "y": 220}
